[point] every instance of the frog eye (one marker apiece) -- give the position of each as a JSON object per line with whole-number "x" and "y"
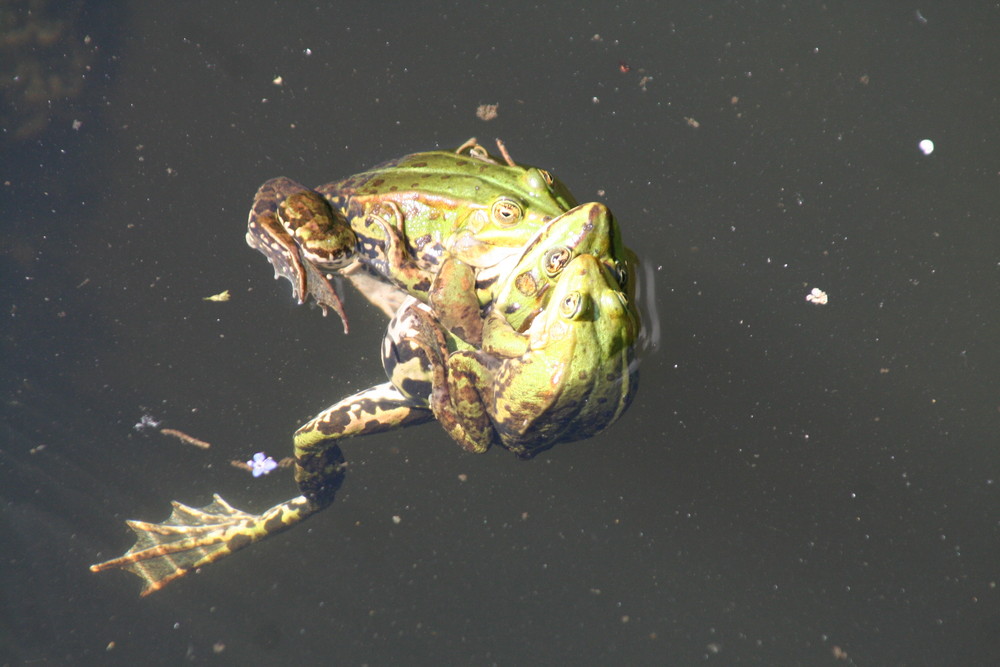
{"x": 539, "y": 179}
{"x": 621, "y": 270}
{"x": 555, "y": 260}
{"x": 506, "y": 212}
{"x": 573, "y": 305}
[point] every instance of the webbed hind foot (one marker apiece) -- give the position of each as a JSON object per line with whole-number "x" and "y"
{"x": 193, "y": 537}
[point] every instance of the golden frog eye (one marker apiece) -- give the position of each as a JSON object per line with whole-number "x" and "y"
{"x": 573, "y": 305}
{"x": 506, "y": 212}
{"x": 555, "y": 261}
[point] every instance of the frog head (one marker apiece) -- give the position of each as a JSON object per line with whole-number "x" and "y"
{"x": 577, "y": 376}
{"x": 520, "y": 199}
{"x": 588, "y": 229}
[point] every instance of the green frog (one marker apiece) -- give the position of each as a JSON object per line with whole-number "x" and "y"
{"x": 464, "y": 206}
{"x": 572, "y": 374}
{"x": 424, "y": 359}
{"x": 417, "y": 358}
{"x": 516, "y": 288}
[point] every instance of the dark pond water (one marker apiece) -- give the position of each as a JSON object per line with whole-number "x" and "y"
{"x": 795, "y": 483}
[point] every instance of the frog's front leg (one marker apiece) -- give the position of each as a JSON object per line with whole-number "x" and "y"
{"x": 466, "y": 403}
{"x": 451, "y": 290}
{"x": 194, "y": 537}
{"x": 455, "y": 301}
{"x": 460, "y": 403}
{"x": 383, "y": 248}
{"x": 433, "y": 365}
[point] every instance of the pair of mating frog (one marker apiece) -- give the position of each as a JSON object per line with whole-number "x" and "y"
{"x": 513, "y": 323}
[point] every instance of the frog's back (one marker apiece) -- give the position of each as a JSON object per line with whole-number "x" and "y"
{"x": 447, "y": 177}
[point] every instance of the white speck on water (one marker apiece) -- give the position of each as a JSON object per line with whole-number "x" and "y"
{"x": 819, "y": 297}
{"x": 926, "y": 146}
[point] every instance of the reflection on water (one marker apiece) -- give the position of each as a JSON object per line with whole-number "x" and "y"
{"x": 645, "y": 296}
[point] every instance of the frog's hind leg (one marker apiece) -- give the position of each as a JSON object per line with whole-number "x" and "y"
{"x": 374, "y": 410}
{"x": 308, "y": 217}
{"x": 194, "y": 537}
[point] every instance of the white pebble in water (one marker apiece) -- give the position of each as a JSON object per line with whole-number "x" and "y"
{"x": 926, "y": 146}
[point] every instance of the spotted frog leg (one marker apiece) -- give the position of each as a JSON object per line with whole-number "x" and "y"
{"x": 191, "y": 538}
{"x": 194, "y": 537}
{"x": 450, "y": 290}
{"x": 295, "y": 228}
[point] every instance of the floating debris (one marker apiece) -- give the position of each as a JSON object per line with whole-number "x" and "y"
{"x": 146, "y": 421}
{"x": 926, "y": 146}
{"x": 817, "y": 296}
{"x": 487, "y": 111}
{"x": 185, "y": 438}
{"x": 221, "y": 296}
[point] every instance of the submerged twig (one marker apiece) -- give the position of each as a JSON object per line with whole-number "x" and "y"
{"x": 185, "y": 438}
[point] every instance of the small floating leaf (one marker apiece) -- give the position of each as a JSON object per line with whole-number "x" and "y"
{"x": 221, "y": 296}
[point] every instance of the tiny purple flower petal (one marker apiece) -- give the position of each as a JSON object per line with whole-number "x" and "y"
{"x": 261, "y": 464}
